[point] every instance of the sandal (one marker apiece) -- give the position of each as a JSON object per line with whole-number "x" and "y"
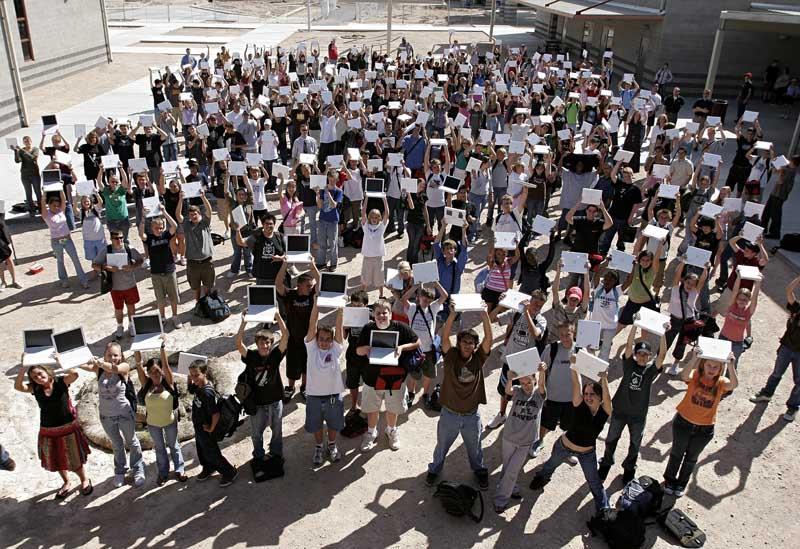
{"x": 88, "y": 490}
{"x": 64, "y": 492}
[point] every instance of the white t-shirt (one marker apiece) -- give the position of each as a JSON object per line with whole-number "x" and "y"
{"x": 420, "y": 327}
{"x": 373, "y": 245}
{"x": 353, "y": 189}
{"x": 690, "y": 299}
{"x": 605, "y": 307}
{"x": 506, "y": 223}
{"x": 323, "y": 375}
{"x": 259, "y": 198}
{"x": 515, "y": 183}
{"x": 434, "y": 192}
{"x": 269, "y": 149}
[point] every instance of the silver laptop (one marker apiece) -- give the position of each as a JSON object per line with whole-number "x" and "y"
{"x": 261, "y": 306}
{"x": 38, "y": 348}
{"x": 374, "y": 188}
{"x": 298, "y": 248}
{"x": 71, "y": 348}
{"x": 332, "y": 290}
{"x": 382, "y": 345}
{"x": 148, "y": 332}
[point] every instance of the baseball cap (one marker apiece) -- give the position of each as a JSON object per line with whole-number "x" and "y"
{"x": 748, "y": 75}
{"x": 575, "y": 292}
{"x": 642, "y": 346}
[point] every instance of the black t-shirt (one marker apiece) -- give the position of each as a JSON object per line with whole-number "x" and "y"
{"x": 204, "y": 406}
{"x": 632, "y": 398}
{"x": 161, "y": 259}
{"x": 264, "y": 376}
{"x": 54, "y": 410}
{"x": 298, "y": 315}
{"x": 123, "y": 147}
{"x": 456, "y": 232}
{"x": 585, "y": 427}
{"x": 158, "y": 94}
{"x": 625, "y": 198}
{"x": 673, "y": 104}
{"x": 405, "y": 335}
{"x": 587, "y": 233}
{"x": 703, "y": 104}
{"x": 264, "y": 249}
{"x": 791, "y": 337}
{"x": 417, "y": 215}
{"x": 746, "y": 92}
{"x": 91, "y": 159}
{"x": 150, "y": 148}
{"x": 708, "y": 242}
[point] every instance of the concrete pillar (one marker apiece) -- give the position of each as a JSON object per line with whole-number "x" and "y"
{"x": 389, "y": 28}
{"x": 713, "y": 65}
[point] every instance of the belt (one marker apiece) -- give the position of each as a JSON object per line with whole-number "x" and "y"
{"x": 472, "y": 413}
{"x": 199, "y": 260}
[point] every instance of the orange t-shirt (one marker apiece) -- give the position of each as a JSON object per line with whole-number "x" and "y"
{"x": 700, "y": 403}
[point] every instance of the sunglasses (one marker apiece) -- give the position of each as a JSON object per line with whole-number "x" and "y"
{"x": 116, "y": 238}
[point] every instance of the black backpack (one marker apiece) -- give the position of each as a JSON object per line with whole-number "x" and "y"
{"x": 624, "y": 527}
{"x": 353, "y": 237}
{"x": 458, "y": 499}
{"x": 213, "y": 307}
{"x": 790, "y": 242}
{"x": 230, "y": 410}
{"x": 683, "y": 528}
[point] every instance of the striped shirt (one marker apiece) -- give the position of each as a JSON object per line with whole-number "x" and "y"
{"x": 499, "y": 277}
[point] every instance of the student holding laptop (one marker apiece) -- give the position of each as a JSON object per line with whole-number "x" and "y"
{"x": 53, "y": 212}
{"x": 124, "y": 292}
{"x": 162, "y": 264}
{"x": 62, "y": 446}
{"x": 373, "y": 247}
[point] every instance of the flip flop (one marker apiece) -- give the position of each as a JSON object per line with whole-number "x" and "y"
{"x": 88, "y": 490}
{"x": 63, "y": 493}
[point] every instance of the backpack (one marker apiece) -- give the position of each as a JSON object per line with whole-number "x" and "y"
{"x": 683, "y": 528}
{"x": 458, "y": 499}
{"x": 213, "y": 307}
{"x": 353, "y": 237}
{"x": 268, "y": 468}
{"x": 390, "y": 378}
{"x": 107, "y": 278}
{"x": 621, "y": 529}
{"x": 642, "y": 496}
{"x": 790, "y": 242}
{"x": 229, "y": 411}
{"x": 130, "y": 390}
{"x": 354, "y": 426}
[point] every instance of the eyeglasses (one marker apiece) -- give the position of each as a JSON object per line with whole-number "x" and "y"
{"x": 116, "y": 238}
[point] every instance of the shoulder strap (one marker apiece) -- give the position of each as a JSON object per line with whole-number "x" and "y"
{"x": 553, "y": 352}
{"x": 646, "y": 287}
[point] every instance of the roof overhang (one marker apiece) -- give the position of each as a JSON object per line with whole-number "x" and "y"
{"x": 773, "y": 19}
{"x": 595, "y": 9}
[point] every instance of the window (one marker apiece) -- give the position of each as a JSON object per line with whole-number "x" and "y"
{"x": 609, "y": 45}
{"x": 24, "y": 31}
{"x": 587, "y": 33}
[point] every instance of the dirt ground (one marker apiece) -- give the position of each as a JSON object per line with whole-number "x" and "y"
{"x": 376, "y": 499}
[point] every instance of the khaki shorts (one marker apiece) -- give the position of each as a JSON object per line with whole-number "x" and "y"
{"x": 200, "y": 273}
{"x": 223, "y": 209}
{"x": 165, "y": 286}
{"x": 428, "y": 367}
{"x": 372, "y": 272}
{"x": 395, "y": 400}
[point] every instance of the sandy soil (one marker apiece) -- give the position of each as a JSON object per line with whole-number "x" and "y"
{"x": 376, "y": 499}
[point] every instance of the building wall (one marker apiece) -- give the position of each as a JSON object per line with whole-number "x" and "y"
{"x": 67, "y": 36}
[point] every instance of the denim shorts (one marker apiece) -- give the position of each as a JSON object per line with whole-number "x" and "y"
{"x": 329, "y": 409}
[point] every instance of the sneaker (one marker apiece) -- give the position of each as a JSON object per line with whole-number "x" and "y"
{"x": 572, "y": 460}
{"x": 538, "y": 482}
{"x": 227, "y": 481}
{"x": 673, "y": 369}
{"x": 84, "y": 285}
{"x": 628, "y": 475}
{"x": 319, "y": 455}
{"x": 9, "y": 465}
{"x": 430, "y": 479}
{"x": 181, "y": 477}
{"x": 340, "y": 242}
{"x": 15, "y": 285}
{"x": 231, "y": 274}
{"x": 789, "y": 415}
{"x": 288, "y": 393}
{"x": 120, "y": 331}
{"x": 668, "y": 489}
{"x": 333, "y": 453}
{"x": 119, "y": 481}
{"x": 394, "y": 438}
{"x": 760, "y": 397}
{"x": 64, "y": 284}
{"x": 497, "y": 421}
{"x": 177, "y": 323}
{"x": 182, "y": 261}
{"x": 161, "y": 481}
{"x": 368, "y": 440}
{"x": 138, "y": 480}
{"x": 225, "y": 235}
{"x": 131, "y": 330}
{"x": 205, "y": 474}
{"x": 602, "y": 471}
{"x": 678, "y": 491}
{"x": 483, "y": 479}
{"x": 516, "y": 495}
{"x": 146, "y": 264}
{"x": 499, "y": 509}
{"x": 536, "y": 449}
{"x": 409, "y": 399}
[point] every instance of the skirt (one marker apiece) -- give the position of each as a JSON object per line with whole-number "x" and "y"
{"x": 63, "y": 448}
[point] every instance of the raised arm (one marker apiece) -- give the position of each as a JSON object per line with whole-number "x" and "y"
{"x": 486, "y": 343}
{"x": 240, "y": 346}
{"x": 446, "y": 330}
{"x": 311, "y": 334}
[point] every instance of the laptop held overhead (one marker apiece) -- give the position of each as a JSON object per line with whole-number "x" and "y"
{"x": 332, "y": 290}
{"x": 38, "y": 348}
{"x": 298, "y": 248}
{"x": 71, "y": 348}
{"x": 261, "y": 305}
{"x": 148, "y": 332}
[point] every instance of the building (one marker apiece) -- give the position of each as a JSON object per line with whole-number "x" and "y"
{"x": 44, "y": 40}
{"x": 645, "y": 34}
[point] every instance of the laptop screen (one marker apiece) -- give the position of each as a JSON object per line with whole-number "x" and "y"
{"x": 67, "y": 341}
{"x": 374, "y": 185}
{"x": 297, "y": 243}
{"x": 261, "y": 295}
{"x": 147, "y": 324}
{"x": 49, "y": 120}
{"x": 51, "y": 176}
{"x": 38, "y": 338}
{"x": 451, "y": 182}
{"x": 334, "y": 283}
{"x": 386, "y": 339}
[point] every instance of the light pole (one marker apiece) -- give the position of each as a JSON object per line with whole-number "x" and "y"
{"x": 491, "y": 20}
{"x": 308, "y": 14}
{"x": 389, "y": 27}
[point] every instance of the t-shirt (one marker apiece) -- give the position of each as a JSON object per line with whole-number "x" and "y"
{"x": 561, "y": 315}
{"x": 373, "y": 242}
{"x": 116, "y": 203}
{"x": 423, "y": 323}
{"x": 161, "y": 259}
{"x": 120, "y": 280}
{"x": 633, "y": 394}
{"x": 700, "y": 403}
{"x": 572, "y": 187}
{"x": 263, "y": 375}
{"x": 605, "y": 306}
{"x": 559, "y": 376}
{"x": 587, "y": 233}
{"x": 405, "y": 335}
{"x": 462, "y": 385}
{"x": 522, "y": 426}
{"x": 521, "y": 337}
{"x": 298, "y": 314}
{"x": 585, "y": 427}
{"x": 638, "y": 292}
{"x": 198, "y": 239}
{"x": 707, "y": 241}
{"x": 416, "y": 215}
{"x": 264, "y": 249}
{"x": 329, "y": 213}
{"x": 54, "y": 410}
{"x": 736, "y": 321}
{"x": 791, "y": 337}
{"x": 740, "y": 259}
{"x": 626, "y": 196}
{"x": 204, "y": 406}
{"x": 150, "y": 148}
{"x": 323, "y": 375}
{"x": 682, "y": 303}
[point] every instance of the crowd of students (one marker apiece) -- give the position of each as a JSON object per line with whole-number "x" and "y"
{"x": 515, "y": 129}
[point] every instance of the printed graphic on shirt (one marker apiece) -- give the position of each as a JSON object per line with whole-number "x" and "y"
{"x": 525, "y": 410}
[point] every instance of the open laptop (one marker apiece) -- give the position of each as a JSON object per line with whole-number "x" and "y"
{"x": 38, "y": 348}
{"x": 51, "y": 181}
{"x": 71, "y": 348}
{"x": 298, "y": 248}
{"x": 375, "y": 188}
{"x": 261, "y": 306}
{"x": 332, "y": 290}
{"x": 382, "y": 344}
{"x": 148, "y": 332}
{"x": 50, "y": 123}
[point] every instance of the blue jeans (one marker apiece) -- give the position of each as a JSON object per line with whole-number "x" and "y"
{"x": 122, "y": 431}
{"x": 327, "y": 236}
{"x": 32, "y": 184}
{"x": 170, "y": 152}
{"x": 70, "y": 215}
{"x": 436, "y": 214}
{"x": 163, "y": 438}
{"x": 784, "y": 358}
{"x": 311, "y": 219}
{"x": 737, "y": 347}
{"x": 449, "y": 427}
{"x": 688, "y": 441}
{"x": 497, "y": 195}
{"x": 635, "y": 427}
{"x": 727, "y": 255}
{"x": 236, "y": 260}
{"x": 272, "y": 415}
{"x": 61, "y": 245}
{"x": 397, "y": 215}
{"x": 479, "y": 201}
{"x": 415, "y": 234}
{"x": 535, "y": 207}
{"x": 588, "y": 461}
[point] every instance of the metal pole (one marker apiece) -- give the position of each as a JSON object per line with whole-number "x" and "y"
{"x": 11, "y": 52}
{"x": 716, "y": 52}
{"x": 105, "y": 30}
{"x": 389, "y": 27}
{"x": 308, "y": 14}
{"x": 491, "y": 20}
{"x": 795, "y": 137}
